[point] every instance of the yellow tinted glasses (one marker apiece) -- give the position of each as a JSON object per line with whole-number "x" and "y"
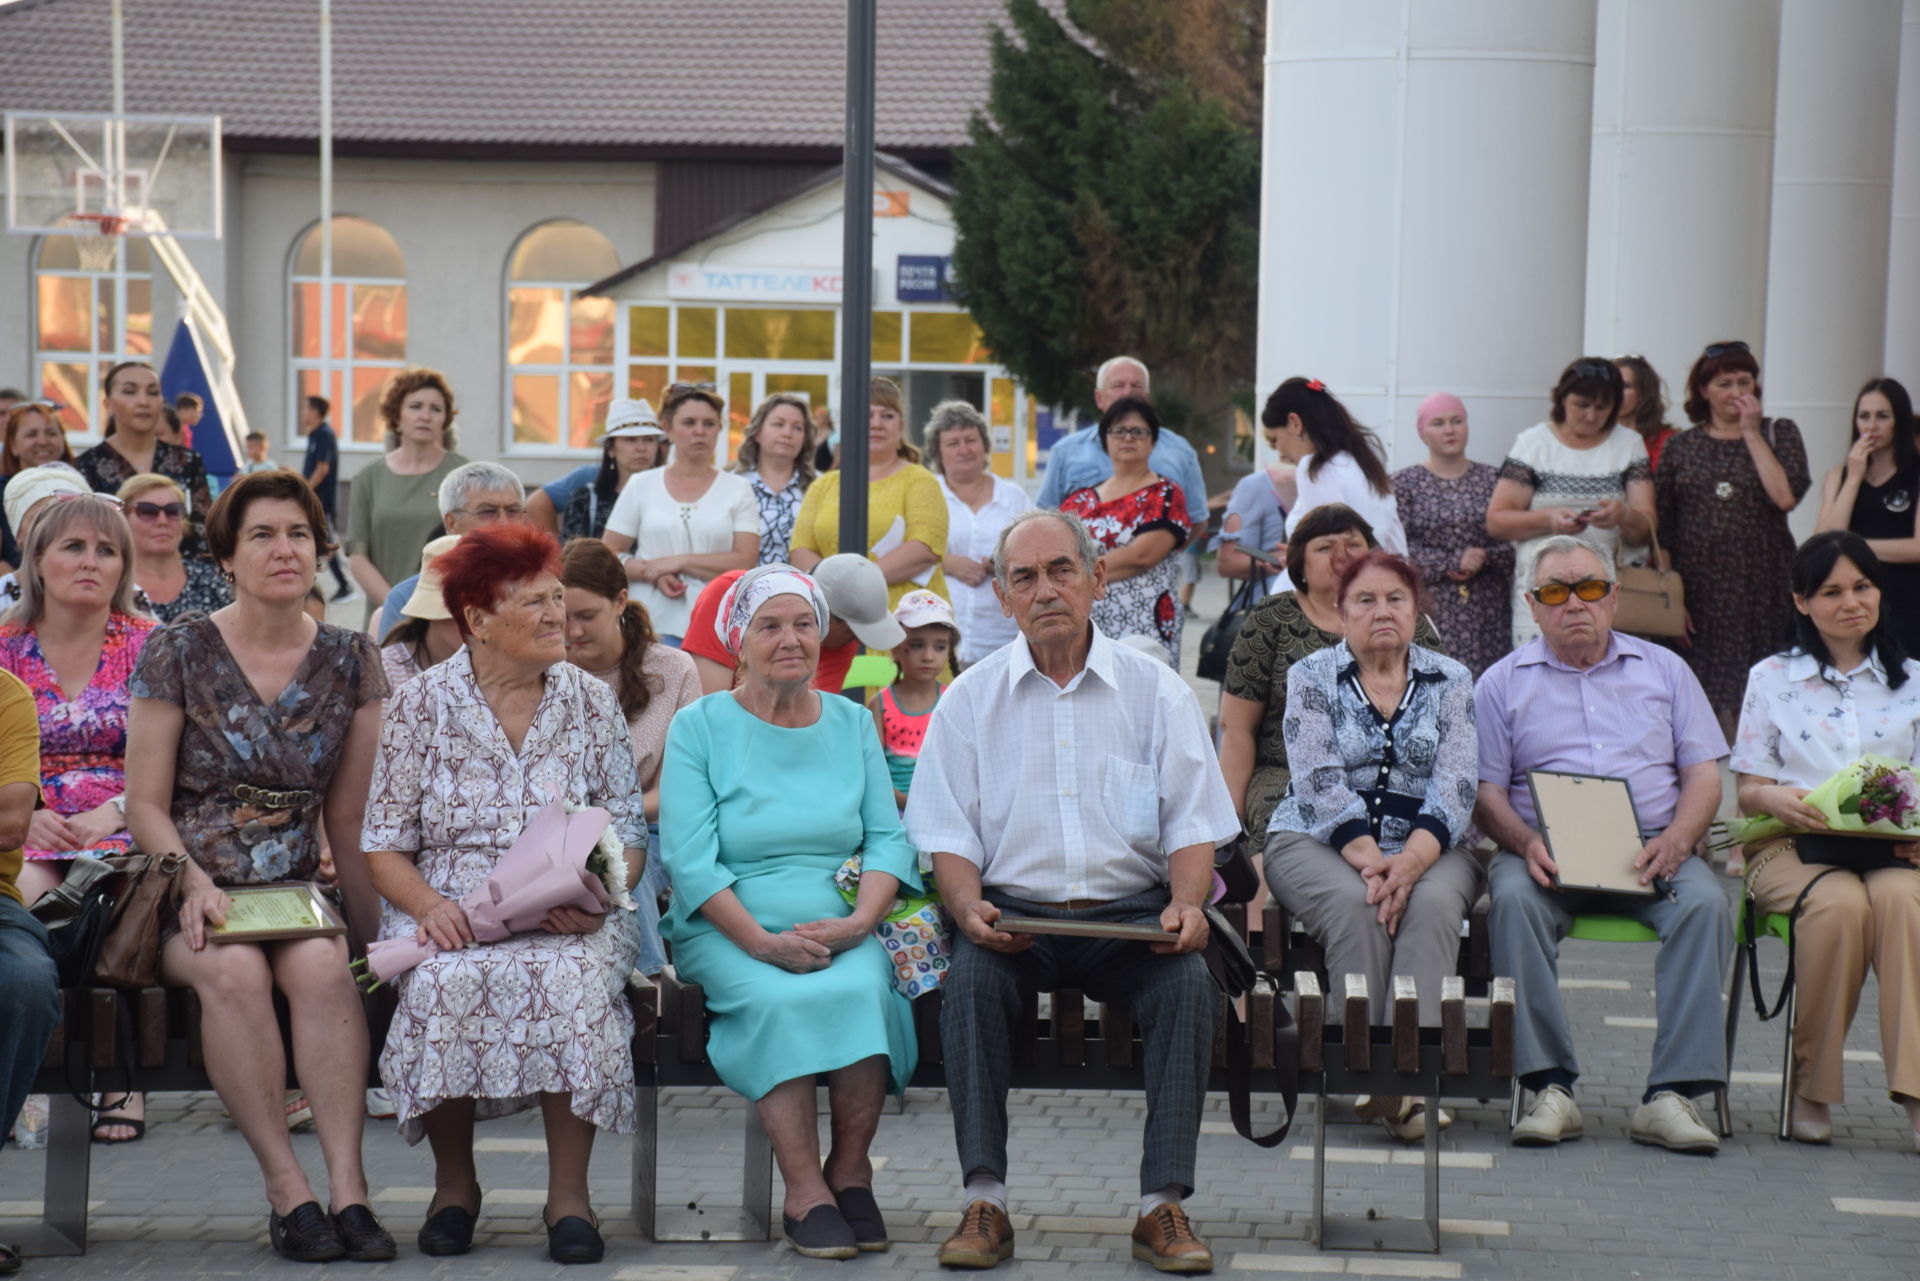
{"x": 1587, "y": 589}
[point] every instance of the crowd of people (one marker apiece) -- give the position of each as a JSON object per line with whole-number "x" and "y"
{"x": 660, "y": 639}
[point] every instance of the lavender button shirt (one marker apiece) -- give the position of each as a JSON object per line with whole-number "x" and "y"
{"x": 1638, "y": 714}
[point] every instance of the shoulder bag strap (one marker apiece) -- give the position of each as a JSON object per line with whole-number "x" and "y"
{"x": 1793, "y": 941}
{"x": 1286, "y": 1062}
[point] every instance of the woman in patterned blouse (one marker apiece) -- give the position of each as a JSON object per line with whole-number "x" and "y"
{"x": 156, "y": 508}
{"x": 776, "y": 457}
{"x": 1369, "y": 847}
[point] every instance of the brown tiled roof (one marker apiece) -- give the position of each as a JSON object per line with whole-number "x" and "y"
{"x": 618, "y": 75}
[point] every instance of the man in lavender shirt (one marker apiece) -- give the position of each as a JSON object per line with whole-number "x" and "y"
{"x": 1585, "y": 699}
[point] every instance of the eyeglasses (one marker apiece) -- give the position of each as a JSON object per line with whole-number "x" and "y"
{"x": 1727, "y": 349}
{"x": 1601, "y": 369}
{"x": 514, "y": 512}
{"x": 1129, "y": 433}
{"x": 154, "y": 511}
{"x": 1587, "y": 589}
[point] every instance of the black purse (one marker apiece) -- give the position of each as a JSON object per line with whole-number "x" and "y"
{"x": 1858, "y": 854}
{"x": 1217, "y": 643}
{"x": 1231, "y": 964}
{"x": 77, "y": 914}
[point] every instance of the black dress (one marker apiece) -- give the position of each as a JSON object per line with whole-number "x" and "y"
{"x": 1887, "y": 511}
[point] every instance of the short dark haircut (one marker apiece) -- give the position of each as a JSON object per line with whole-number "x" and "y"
{"x": 1812, "y": 565}
{"x": 187, "y": 400}
{"x": 1730, "y": 358}
{"x": 256, "y": 434}
{"x": 1903, "y": 426}
{"x": 229, "y": 511}
{"x": 1594, "y": 377}
{"x": 1330, "y": 429}
{"x": 1328, "y": 518}
{"x": 320, "y": 405}
{"x": 12, "y": 393}
{"x": 1130, "y": 405}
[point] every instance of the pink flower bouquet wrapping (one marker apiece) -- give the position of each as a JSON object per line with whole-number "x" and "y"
{"x": 561, "y": 860}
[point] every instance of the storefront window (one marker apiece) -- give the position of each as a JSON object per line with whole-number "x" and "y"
{"x": 945, "y": 338}
{"x": 560, "y": 346}
{"x": 739, "y": 391}
{"x": 648, "y": 383}
{"x": 697, "y": 329}
{"x": 886, "y": 337}
{"x": 368, "y": 343}
{"x": 647, "y": 330}
{"x": 85, "y": 322}
{"x": 765, "y": 333}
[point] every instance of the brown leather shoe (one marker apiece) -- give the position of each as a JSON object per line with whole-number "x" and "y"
{"x": 1166, "y": 1240}
{"x": 984, "y": 1237}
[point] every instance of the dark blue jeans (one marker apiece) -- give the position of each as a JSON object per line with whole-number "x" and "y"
{"x": 29, "y": 1006}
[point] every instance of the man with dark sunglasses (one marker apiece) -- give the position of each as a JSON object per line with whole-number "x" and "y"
{"x": 1584, "y": 699}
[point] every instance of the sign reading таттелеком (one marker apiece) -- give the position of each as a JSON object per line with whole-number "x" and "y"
{"x": 753, "y": 284}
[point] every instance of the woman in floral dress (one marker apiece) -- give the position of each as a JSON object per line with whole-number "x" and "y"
{"x": 1141, "y": 519}
{"x": 776, "y": 457}
{"x": 471, "y": 750}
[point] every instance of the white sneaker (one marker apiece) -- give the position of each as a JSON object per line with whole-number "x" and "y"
{"x": 1402, "y": 1118}
{"x": 1671, "y": 1122}
{"x": 1553, "y": 1118}
{"x": 380, "y": 1104}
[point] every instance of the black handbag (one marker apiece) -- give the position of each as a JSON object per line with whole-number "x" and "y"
{"x": 77, "y": 914}
{"x": 1217, "y": 643}
{"x": 1231, "y": 965}
{"x": 1858, "y": 854}
{"x": 1233, "y": 864}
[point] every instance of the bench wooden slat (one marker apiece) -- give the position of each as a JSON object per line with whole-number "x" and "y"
{"x": 1479, "y": 947}
{"x": 150, "y": 1026}
{"x": 190, "y": 1015}
{"x": 926, "y": 1027}
{"x": 1260, "y": 1018}
{"x": 1310, "y": 1016}
{"x": 692, "y": 1023}
{"x": 1406, "y": 1023}
{"x": 1116, "y": 1029}
{"x": 1500, "y": 1023}
{"x": 102, "y": 1027}
{"x": 1070, "y": 1027}
{"x": 1453, "y": 1025}
{"x": 1026, "y": 1032}
{"x": 1273, "y": 938}
{"x": 1358, "y": 1024}
{"x": 644, "y": 999}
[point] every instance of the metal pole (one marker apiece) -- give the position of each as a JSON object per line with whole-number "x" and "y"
{"x": 326, "y": 207}
{"x": 113, "y": 199}
{"x": 856, "y": 270}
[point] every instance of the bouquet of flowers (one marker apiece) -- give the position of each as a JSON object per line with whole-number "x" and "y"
{"x": 1873, "y": 796}
{"x": 914, "y": 933}
{"x": 562, "y": 859}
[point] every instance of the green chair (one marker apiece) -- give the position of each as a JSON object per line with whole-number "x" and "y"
{"x": 1777, "y": 925}
{"x": 870, "y": 671}
{"x": 1604, "y": 928}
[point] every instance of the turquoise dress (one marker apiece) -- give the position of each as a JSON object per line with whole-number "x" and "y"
{"x": 771, "y": 814}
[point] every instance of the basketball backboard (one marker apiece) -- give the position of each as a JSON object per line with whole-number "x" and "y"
{"x": 145, "y": 175}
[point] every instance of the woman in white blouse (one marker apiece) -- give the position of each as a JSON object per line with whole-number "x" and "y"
{"x": 688, "y": 522}
{"x": 1336, "y": 459}
{"x": 979, "y": 504}
{"x": 1843, "y": 691}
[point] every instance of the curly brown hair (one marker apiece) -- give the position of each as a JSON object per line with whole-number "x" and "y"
{"x": 404, "y": 384}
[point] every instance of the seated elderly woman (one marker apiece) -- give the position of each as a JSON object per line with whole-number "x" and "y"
{"x": 471, "y": 749}
{"x": 760, "y": 806}
{"x": 249, "y": 729}
{"x": 1367, "y": 848}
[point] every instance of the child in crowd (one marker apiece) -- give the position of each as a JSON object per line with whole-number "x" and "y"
{"x": 257, "y": 459}
{"x": 932, "y": 639}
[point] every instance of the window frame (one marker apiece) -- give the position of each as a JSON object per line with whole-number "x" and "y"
{"x": 510, "y": 445}
{"x": 96, "y": 360}
{"x": 327, "y": 365}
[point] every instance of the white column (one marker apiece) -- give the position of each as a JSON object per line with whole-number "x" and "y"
{"x": 1424, "y": 205}
{"x": 1832, "y": 184}
{"x": 1682, "y": 179}
{"x": 1903, "y": 255}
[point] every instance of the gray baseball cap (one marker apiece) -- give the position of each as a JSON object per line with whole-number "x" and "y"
{"x": 856, "y": 591}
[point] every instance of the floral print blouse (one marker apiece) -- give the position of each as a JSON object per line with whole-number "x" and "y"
{"x": 206, "y": 590}
{"x": 779, "y": 508}
{"x": 232, "y": 739}
{"x": 1802, "y": 723}
{"x": 83, "y": 741}
{"x": 105, "y": 471}
{"x": 1357, "y": 773}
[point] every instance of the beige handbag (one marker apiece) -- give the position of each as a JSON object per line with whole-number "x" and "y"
{"x": 1653, "y": 601}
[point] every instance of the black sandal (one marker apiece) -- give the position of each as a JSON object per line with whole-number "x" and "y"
{"x": 575, "y": 1240}
{"x": 365, "y": 1240}
{"x": 448, "y": 1230}
{"x": 305, "y": 1234}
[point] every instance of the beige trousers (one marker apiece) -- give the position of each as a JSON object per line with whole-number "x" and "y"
{"x": 1849, "y": 923}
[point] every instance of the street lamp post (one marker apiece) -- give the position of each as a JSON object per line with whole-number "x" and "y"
{"x": 856, "y": 272}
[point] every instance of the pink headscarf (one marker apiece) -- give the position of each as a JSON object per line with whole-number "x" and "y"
{"x": 1441, "y": 402}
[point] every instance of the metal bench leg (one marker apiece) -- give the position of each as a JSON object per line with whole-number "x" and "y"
{"x": 1320, "y": 1168}
{"x": 1513, "y": 1104}
{"x": 756, "y": 1176}
{"x": 1786, "y": 1064}
{"x": 63, "y": 1211}
{"x": 1433, "y": 1165}
{"x": 646, "y": 1156}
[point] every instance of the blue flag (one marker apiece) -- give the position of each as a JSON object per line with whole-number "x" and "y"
{"x": 185, "y": 371}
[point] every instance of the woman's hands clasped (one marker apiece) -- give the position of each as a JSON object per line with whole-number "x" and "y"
{"x": 792, "y": 952}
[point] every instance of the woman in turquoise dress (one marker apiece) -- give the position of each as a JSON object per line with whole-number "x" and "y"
{"x": 759, "y": 809}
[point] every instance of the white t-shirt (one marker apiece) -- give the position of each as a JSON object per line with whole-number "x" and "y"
{"x": 661, "y": 525}
{"x": 1341, "y": 481}
{"x": 983, "y": 626}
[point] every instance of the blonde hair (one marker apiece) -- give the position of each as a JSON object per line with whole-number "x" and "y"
{"x": 57, "y": 520}
{"x": 886, "y": 393}
{"x": 146, "y": 480}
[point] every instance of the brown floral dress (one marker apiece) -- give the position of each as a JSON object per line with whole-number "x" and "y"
{"x": 1276, "y": 635}
{"x": 232, "y": 738}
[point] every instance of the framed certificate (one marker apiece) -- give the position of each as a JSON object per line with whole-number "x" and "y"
{"x": 1591, "y": 829}
{"x": 1138, "y": 933}
{"x": 270, "y": 913}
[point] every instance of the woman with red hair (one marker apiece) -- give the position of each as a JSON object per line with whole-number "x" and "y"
{"x": 470, "y": 750}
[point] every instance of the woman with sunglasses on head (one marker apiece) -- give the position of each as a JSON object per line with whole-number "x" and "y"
{"x": 1876, "y": 494}
{"x": 682, "y": 525}
{"x": 1577, "y": 473}
{"x": 34, "y": 436}
{"x": 133, "y": 447}
{"x": 1724, "y": 491}
{"x": 173, "y": 584}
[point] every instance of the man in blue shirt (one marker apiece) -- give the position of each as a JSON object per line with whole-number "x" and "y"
{"x": 546, "y": 504}
{"x": 321, "y": 467}
{"x": 1077, "y": 460}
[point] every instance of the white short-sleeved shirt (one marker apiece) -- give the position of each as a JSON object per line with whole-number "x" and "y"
{"x": 661, "y": 525}
{"x": 984, "y": 626}
{"x": 1341, "y": 481}
{"x": 1799, "y": 729}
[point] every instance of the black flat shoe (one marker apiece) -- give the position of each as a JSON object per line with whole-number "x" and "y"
{"x": 823, "y": 1234}
{"x": 574, "y": 1240}
{"x": 448, "y": 1230}
{"x": 365, "y": 1240}
{"x": 862, "y": 1214}
{"x": 304, "y": 1234}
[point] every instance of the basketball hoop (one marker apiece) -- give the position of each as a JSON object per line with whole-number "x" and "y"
{"x": 97, "y": 238}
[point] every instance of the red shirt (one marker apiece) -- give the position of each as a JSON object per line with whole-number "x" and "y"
{"x": 829, "y": 677}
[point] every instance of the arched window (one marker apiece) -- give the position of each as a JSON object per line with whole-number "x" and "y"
{"x": 85, "y": 322}
{"x": 369, "y": 341}
{"x": 559, "y": 345}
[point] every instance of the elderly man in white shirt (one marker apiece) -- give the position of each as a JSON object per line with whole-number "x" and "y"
{"x": 1068, "y": 777}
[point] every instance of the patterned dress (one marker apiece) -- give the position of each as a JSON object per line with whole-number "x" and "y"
{"x": 105, "y": 471}
{"x": 1732, "y": 548}
{"x": 778, "y": 510}
{"x": 536, "y": 1013}
{"x": 232, "y": 738}
{"x": 206, "y": 590}
{"x": 83, "y": 741}
{"x": 1149, "y": 602}
{"x": 1564, "y": 477}
{"x": 1276, "y": 635}
{"x": 1443, "y": 518}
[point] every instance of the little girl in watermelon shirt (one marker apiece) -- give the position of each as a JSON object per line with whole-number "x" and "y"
{"x": 902, "y": 710}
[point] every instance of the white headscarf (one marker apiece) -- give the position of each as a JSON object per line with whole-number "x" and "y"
{"x": 755, "y": 588}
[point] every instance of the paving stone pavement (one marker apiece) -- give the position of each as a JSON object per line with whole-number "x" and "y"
{"x": 187, "y": 1203}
